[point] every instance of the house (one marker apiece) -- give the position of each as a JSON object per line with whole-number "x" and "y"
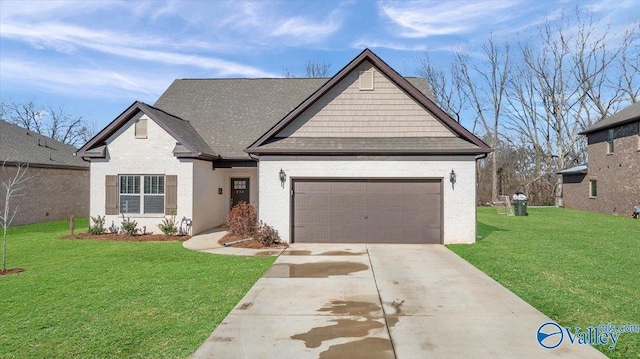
{"x": 363, "y": 156}
{"x": 59, "y": 181}
{"x": 610, "y": 182}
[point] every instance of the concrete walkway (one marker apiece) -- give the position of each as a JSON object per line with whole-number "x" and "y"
{"x": 380, "y": 301}
{"x": 208, "y": 242}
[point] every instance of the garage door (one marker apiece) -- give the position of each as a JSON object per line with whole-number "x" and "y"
{"x": 367, "y": 211}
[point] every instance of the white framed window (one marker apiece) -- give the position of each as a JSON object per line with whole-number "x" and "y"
{"x": 610, "y": 137}
{"x": 148, "y": 198}
{"x": 593, "y": 188}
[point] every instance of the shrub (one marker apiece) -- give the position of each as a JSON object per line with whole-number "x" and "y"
{"x": 242, "y": 219}
{"x": 169, "y": 226}
{"x": 98, "y": 225}
{"x": 266, "y": 235}
{"x": 129, "y": 227}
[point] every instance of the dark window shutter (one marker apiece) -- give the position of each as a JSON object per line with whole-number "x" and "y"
{"x": 111, "y": 191}
{"x": 171, "y": 194}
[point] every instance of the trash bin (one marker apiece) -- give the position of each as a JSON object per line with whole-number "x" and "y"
{"x": 519, "y": 207}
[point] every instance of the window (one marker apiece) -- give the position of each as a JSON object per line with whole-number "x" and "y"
{"x": 593, "y": 188}
{"x": 148, "y": 200}
{"x": 610, "y": 141}
{"x": 240, "y": 184}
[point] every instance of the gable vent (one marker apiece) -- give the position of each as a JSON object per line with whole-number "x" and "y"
{"x": 141, "y": 128}
{"x": 366, "y": 80}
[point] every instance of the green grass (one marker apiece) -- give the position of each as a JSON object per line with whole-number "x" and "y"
{"x": 579, "y": 268}
{"x": 94, "y": 299}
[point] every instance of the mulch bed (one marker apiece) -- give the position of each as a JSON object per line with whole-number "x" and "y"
{"x": 11, "y": 271}
{"x": 128, "y": 238}
{"x": 248, "y": 244}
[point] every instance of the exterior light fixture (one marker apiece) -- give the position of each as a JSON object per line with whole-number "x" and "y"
{"x": 283, "y": 177}
{"x": 452, "y": 179}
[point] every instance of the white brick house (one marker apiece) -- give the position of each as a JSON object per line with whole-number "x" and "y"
{"x": 364, "y": 156}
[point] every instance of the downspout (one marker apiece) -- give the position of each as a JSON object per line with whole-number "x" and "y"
{"x": 475, "y": 193}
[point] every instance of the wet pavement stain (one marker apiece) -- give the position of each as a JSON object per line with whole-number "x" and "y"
{"x": 267, "y": 253}
{"x": 245, "y": 306}
{"x": 341, "y": 253}
{"x": 314, "y": 270}
{"x": 368, "y": 348}
{"x": 427, "y": 346}
{"x": 297, "y": 252}
{"x": 353, "y": 308}
{"x": 344, "y": 328}
{"x": 393, "y": 318}
{"x": 221, "y": 339}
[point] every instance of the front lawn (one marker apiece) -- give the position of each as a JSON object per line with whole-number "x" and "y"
{"x": 581, "y": 269}
{"x": 98, "y": 299}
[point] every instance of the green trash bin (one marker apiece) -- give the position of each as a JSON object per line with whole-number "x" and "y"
{"x": 519, "y": 207}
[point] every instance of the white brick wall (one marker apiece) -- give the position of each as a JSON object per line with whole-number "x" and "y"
{"x": 152, "y": 155}
{"x": 459, "y": 204}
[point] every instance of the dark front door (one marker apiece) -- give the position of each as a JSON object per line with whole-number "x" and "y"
{"x": 239, "y": 190}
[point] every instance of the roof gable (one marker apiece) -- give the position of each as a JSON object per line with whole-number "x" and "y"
{"x": 288, "y": 126}
{"x": 190, "y": 143}
{"x": 383, "y": 110}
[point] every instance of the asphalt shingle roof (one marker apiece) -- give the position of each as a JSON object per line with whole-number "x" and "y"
{"x": 18, "y": 144}
{"x": 230, "y": 114}
{"x": 629, "y": 114}
{"x": 179, "y": 127}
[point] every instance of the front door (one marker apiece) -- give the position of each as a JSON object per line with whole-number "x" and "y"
{"x": 239, "y": 190}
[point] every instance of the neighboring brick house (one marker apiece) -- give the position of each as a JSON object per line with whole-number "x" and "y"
{"x": 59, "y": 183}
{"x": 610, "y": 182}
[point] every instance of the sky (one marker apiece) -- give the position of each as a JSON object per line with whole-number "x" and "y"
{"x": 95, "y": 58}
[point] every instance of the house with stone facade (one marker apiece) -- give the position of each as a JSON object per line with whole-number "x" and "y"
{"x": 363, "y": 156}
{"x": 59, "y": 181}
{"x": 610, "y": 182}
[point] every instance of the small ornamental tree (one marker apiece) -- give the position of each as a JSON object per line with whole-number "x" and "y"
{"x": 11, "y": 186}
{"x": 242, "y": 220}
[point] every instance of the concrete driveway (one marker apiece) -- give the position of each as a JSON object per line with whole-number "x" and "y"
{"x": 380, "y": 301}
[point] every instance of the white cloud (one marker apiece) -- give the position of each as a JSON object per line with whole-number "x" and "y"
{"x": 66, "y": 38}
{"x": 419, "y": 19}
{"x": 82, "y": 81}
{"x": 393, "y": 45}
{"x": 308, "y": 30}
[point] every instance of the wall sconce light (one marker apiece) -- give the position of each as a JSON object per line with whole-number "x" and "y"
{"x": 283, "y": 177}
{"x": 452, "y": 179}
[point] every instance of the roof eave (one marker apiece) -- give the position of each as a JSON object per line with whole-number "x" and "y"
{"x": 396, "y": 152}
{"x": 594, "y": 128}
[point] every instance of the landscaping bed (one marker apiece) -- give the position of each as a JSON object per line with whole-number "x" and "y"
{"x": 249, "y": 244}
{"x": 128, "y": 238}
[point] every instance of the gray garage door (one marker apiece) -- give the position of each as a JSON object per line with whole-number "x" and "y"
{"x": 367, "y": 211}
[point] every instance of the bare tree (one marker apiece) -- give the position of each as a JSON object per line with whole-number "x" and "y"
{"x": 577, "y": 74}
{"x": 445, "y": 85}
{"x": 485, "y": 86}
{"x": 312, "y": 69}
{"x": 11, "y": 186}
{"x": 54, "y": 122}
